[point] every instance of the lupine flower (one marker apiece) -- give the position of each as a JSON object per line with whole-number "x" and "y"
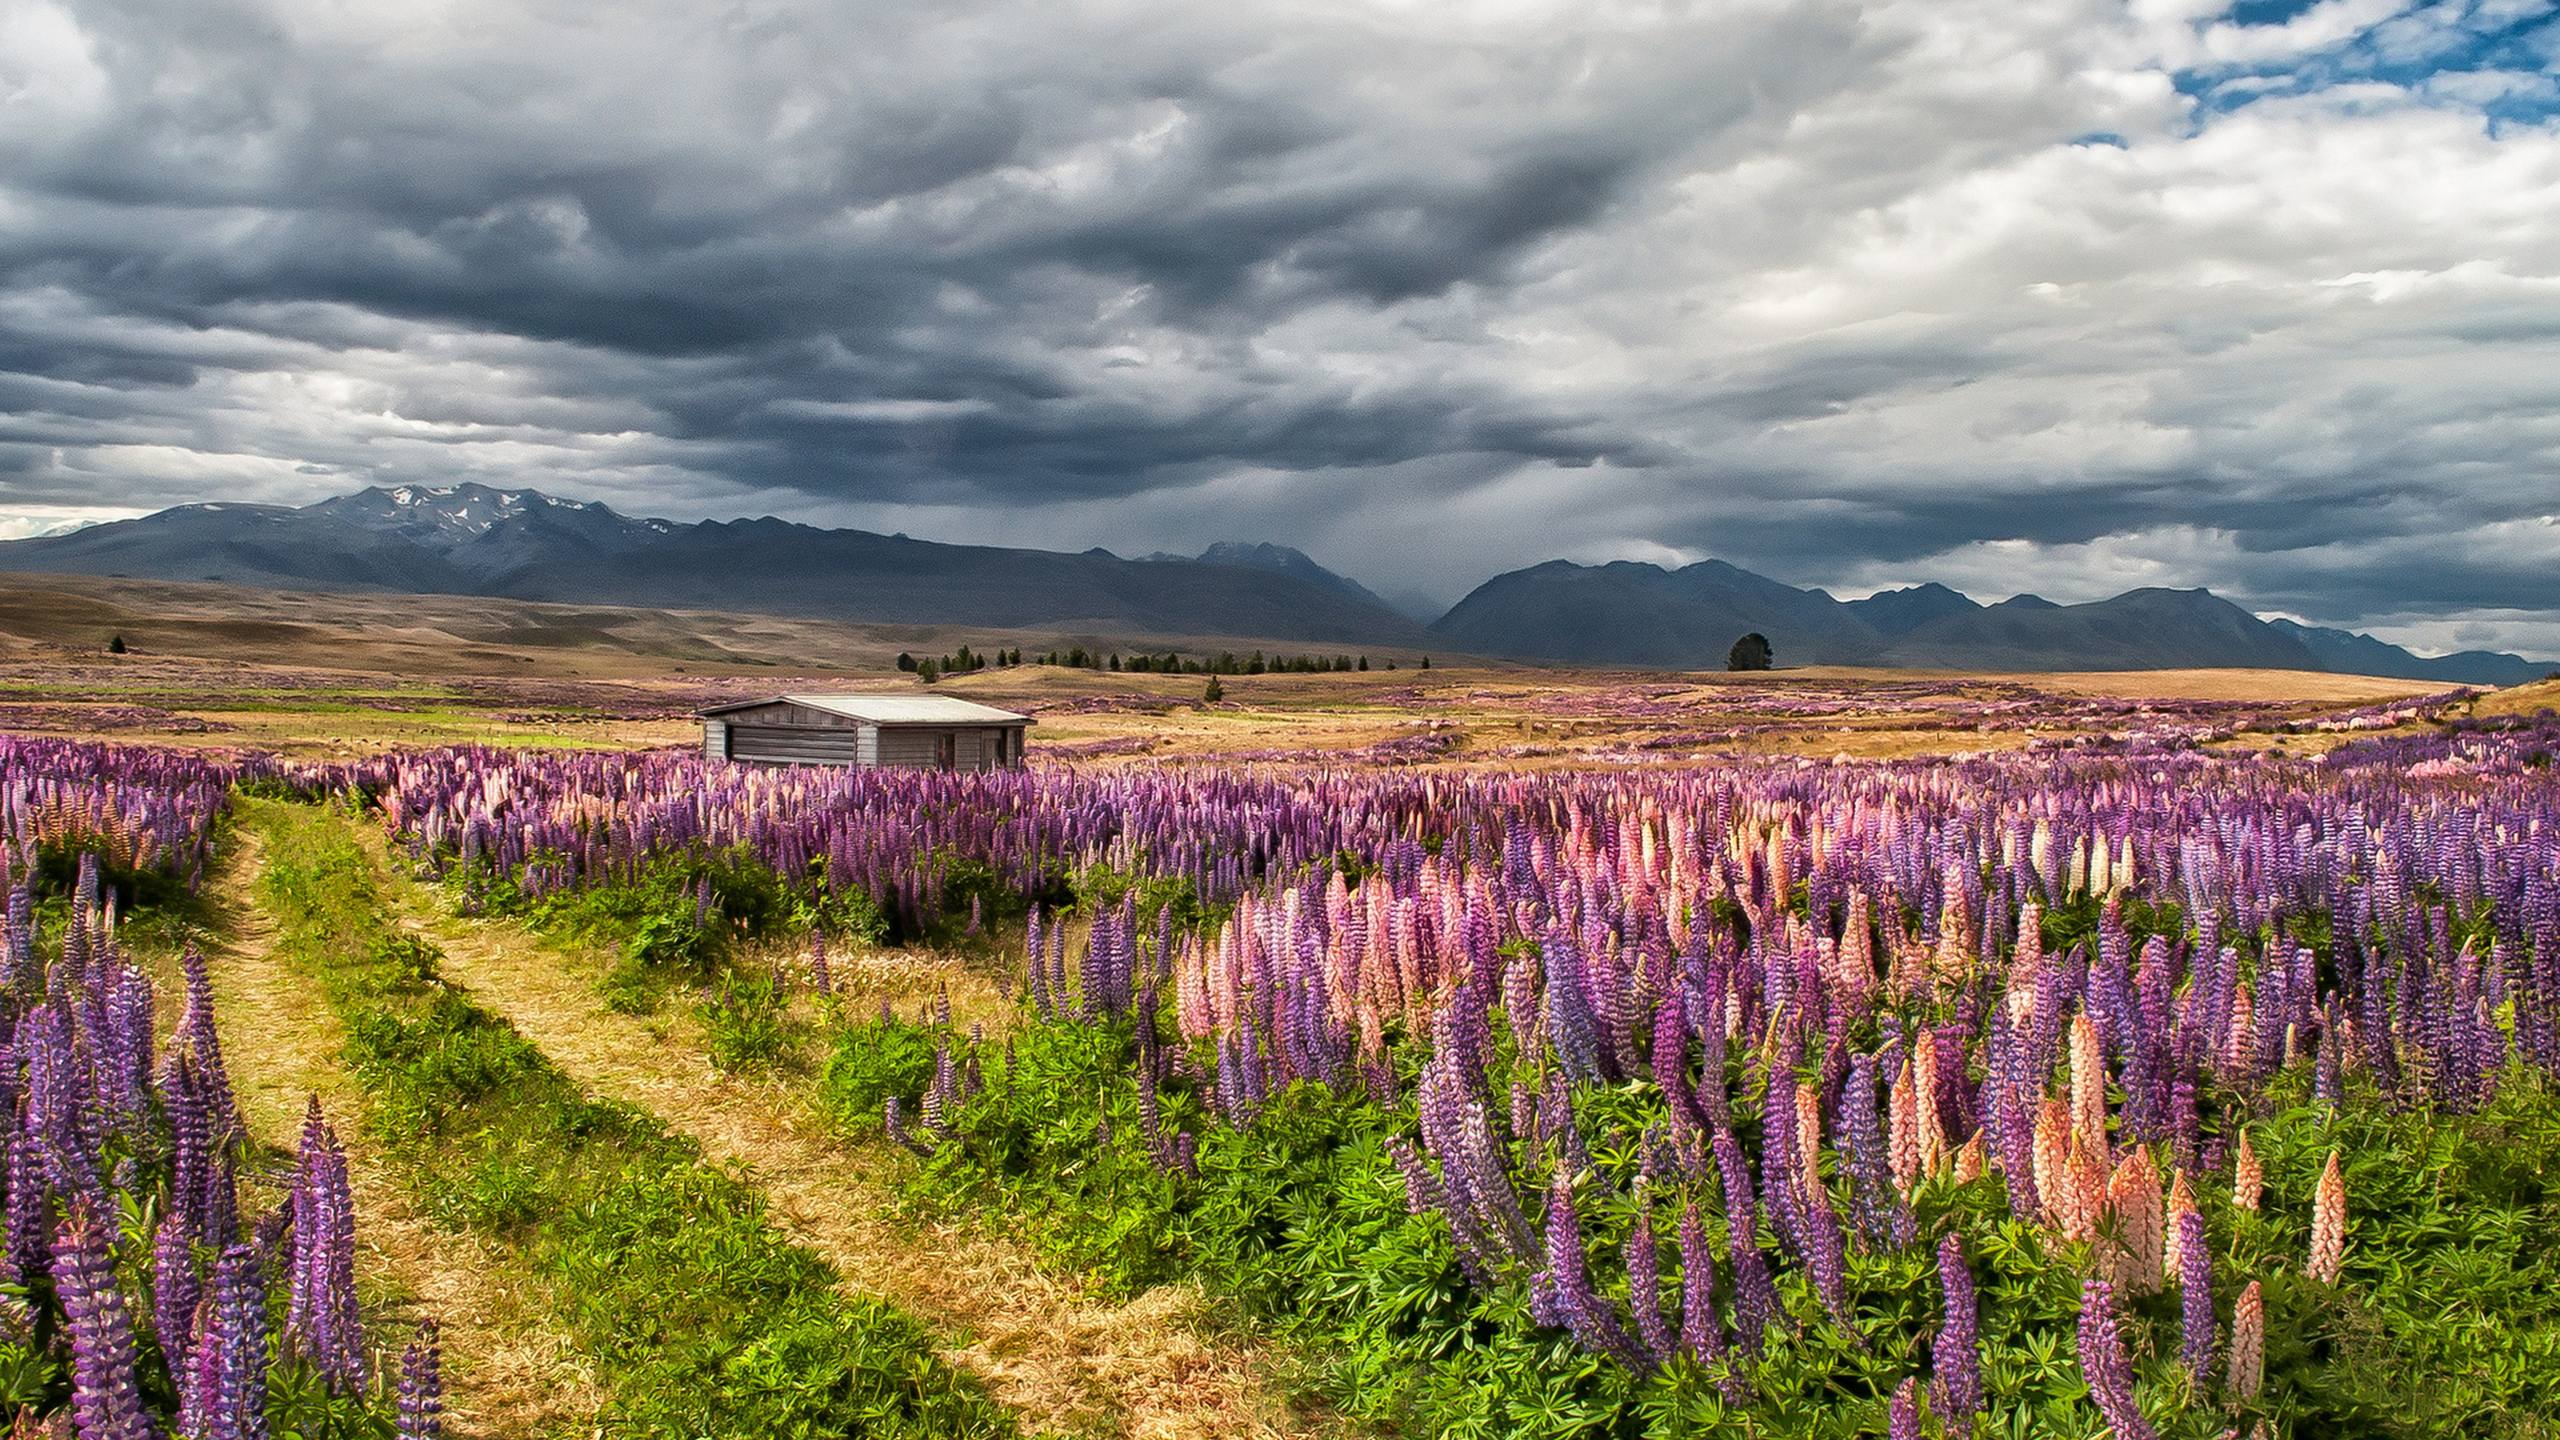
{"x": 174, "y": 1290}
{"x": 2247, "y": 1180}
{"x": 224, "y": 1393}
{"x": 1701, "y": 1334}
{"x": 1956, "y": 1355}
{"x": 2328, "y": 1225}
{"x": 321, "y": 1315}
{"x": 1644, "y": 1288}
{"x": 2195, "y": 1296}
{"x": 1903, "y": 1423}
{"x": 2088, "y": 1085}
{"x": 1906, "y": 1146}
{"x": 419, "y": 1413}
{"x": 2053, "y": 1146}
{"x": 2133, "y": 1197}
{"x": 2248, "y": 1343}
{"x": 2106, "y": 1366}
{"x": 2182, "y": 1201}
{"x": 106, "y": 1396}
{"x": 1568, "y": 1278}
{"x": 1827, "y": 1257}
{"x": 1971, "y": 1159}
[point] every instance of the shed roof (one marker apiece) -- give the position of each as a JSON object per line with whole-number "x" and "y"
{"x": 891, "y": 709}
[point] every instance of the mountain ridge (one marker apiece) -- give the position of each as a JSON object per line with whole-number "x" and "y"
{"x": 473, "y": 539}
{"x": 1633, "y": 612}
{"x": 523, "y": 545}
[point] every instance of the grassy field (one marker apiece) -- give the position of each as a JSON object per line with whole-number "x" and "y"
{"x": 341, "y": 675}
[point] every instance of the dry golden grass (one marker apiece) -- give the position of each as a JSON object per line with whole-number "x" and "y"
{"x": 1163, "y": 1366}
{"x": 509, "y": 1372}
{"x": 457, "y": 635}
{"x": 337, "y": 676}
{"x": 2273, "y": 686}
{"x": 2520, "y": 699}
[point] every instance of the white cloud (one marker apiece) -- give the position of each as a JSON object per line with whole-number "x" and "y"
{"x": 1853, "y": 294}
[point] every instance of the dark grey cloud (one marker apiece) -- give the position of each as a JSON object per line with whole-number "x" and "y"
{"x": 1839, "y": 291}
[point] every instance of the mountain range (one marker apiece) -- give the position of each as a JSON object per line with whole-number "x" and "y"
{"x": 524, "y": 545}
{"x": 521, "y": 544}
{"x": 1629, "y": 613}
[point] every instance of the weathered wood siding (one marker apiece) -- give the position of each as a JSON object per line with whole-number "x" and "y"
{"x": 916, "y": 745}
{"x": 795, "y": 745}
{"x": 715, "y": 739}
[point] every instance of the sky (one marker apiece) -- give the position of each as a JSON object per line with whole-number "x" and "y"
{"x": 2063, "y": 296}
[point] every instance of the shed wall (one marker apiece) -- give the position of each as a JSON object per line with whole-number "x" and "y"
{"x": 794, "y": 745}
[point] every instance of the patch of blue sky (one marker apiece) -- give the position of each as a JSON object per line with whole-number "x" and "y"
{"x": 2496, "y": 56}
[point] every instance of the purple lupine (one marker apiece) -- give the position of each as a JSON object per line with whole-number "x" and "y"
{"x": 1701, "y": 1333}
{"x": 893, "y": 1120}
{"x": 1828, "y": 1258}
{"x": 1577, "y": 1304}
{"x": 1755, "y": 1297}
{"x": 1955, "y": 1356}
{"x": 1644, "y": 1286}
{"x": 1883, "y": 1218}
{"x": 203, "y": 1046}
{"x": 224, "y": 1395}
{"x": 419, "y": 1410}
{"x": 175, "y": 1289}
{"x": 1903, "y": 1421}
{"x": 30, "y": 1238}
{"x": 321, "y": 1317}
{"x": 2106, "y": 1366}
{"x": 106, "y": 1395}
{"x": 2195, "y": 1296}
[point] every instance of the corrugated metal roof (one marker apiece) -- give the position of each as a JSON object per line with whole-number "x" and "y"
{"x": 893, "y": 709}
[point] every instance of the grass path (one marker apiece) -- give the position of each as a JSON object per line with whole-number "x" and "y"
{"x": 1154, "y": 1368}
{"x": 508, "y": 1371}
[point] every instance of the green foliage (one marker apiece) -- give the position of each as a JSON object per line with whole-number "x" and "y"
{"x": 678, "y": 917}
{"x": 2446, "y": 1323}
{"x": 747, "y": 1024}
{"x": 1101, "y": 887}
{"x": 57, "y": 870}
{"x": 701, "y": 1317}
{"x": 871, "y": 1063}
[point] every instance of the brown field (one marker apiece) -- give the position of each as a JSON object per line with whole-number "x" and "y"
{"x": 337, "y": 675}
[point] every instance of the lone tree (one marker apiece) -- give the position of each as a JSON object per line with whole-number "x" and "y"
{"x": 1214, "y": 693}
{"x": 115, "y": 645}
{"x": 1751, "y": 652}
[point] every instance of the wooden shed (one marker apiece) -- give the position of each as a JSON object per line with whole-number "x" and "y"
{"x": 926, "y": 732}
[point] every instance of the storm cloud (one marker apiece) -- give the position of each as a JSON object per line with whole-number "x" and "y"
{"x": 2053, "y": 295}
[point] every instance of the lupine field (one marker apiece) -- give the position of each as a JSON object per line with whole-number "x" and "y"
{"x": 162, "y": 1277}
{"x": 2149, "y": 1088}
